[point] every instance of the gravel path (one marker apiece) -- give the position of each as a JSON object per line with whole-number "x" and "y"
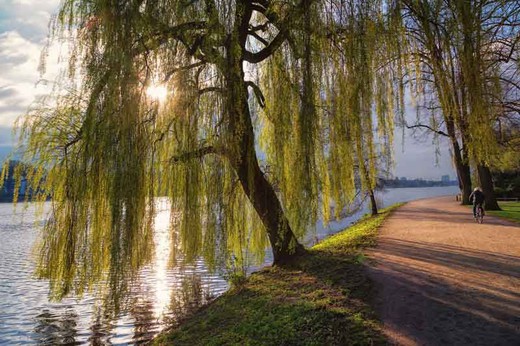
{"x": 442, "y": 279}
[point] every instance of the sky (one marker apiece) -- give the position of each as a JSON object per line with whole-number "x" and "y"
{"x": 23, "y": 34}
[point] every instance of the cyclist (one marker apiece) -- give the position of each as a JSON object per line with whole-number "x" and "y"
{"x": 477, "y": 197}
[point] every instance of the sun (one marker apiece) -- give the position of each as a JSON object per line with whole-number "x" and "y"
{"x": 157, "y": 92}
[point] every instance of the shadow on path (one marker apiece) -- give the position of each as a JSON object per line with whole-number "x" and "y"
{"x": 438, "y": 291}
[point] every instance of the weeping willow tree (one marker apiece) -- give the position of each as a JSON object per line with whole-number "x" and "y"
{"x": 433, "y": 72}
{"x": 305, "y": 77}
{"x": 459, "y": 50}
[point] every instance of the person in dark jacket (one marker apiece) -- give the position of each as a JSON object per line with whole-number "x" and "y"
{"x": 477, "y": 197}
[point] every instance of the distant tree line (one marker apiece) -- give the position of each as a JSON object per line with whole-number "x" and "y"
{"x": 11, "y": 189}
{"x": 396, "y": 182}
{"x": 15, "y": 182}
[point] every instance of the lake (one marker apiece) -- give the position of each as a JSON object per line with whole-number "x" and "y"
{"x": 160, "y": 295}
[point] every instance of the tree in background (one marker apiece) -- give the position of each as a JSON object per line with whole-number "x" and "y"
{"x": 459, "y": 49}
{"x": 506, "y": 165}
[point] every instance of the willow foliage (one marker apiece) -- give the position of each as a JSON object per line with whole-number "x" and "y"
{"x": 307, "y": 77}
{"x": 463, "y": 52}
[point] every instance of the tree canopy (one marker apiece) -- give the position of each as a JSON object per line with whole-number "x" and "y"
{"x": 294, "y": 83}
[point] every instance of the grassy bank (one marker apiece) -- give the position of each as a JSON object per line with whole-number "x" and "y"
{"x": 322, "y": 299}
{"x": 510, "y": 211}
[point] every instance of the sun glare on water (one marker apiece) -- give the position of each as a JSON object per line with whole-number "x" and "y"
{"x": 157, "y": 92}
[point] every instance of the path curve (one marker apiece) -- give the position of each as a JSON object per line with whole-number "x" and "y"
{"x": 442, "y": 279}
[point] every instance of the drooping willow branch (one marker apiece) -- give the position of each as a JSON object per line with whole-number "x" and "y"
{"x": 193, "y": 36}
{"x": 201, "y": 50}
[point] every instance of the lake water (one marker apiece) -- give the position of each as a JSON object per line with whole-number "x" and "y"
{"x": 384, "y": 199}
{"x": 160, "y": 296}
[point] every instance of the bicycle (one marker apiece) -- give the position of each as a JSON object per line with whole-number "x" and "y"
{"x": 479, "y": 217}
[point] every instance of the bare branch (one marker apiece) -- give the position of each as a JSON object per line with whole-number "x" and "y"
{"x": 196, "y": 154}
{"x": 258, "y": 93}
{"x": 76, "y": 139}
{"x": 267, "y": 51}
{"x": 259, "y": 8}
{"x": 194, "y": 37}
{"x": 261, "y": 27}
{"x": 210, "y": 89}
{"x": 182, "y": 68}
{"x": 177, "y": 32}
{"x": 442, "y": 133}
{"x": 258, "y": 37}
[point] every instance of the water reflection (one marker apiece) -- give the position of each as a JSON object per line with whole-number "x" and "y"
{"x": 137, "y": 323}
{"x": 99, "y": 332}
{"x": 188, "y": 298}
{"x": 56, "y": 329}
{"x": 145, "y": 322}
{"x": 26, "y": 315}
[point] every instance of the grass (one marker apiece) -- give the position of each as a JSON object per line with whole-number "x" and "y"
{"x": 320, "y": 299}
{"x": 510, "y": 211}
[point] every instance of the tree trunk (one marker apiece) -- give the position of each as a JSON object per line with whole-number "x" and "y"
{"x": 486, "y": 183}
{"x": 262, "y": 195}
{"x": 462, "y": 167}
{"x": 242, "y": 153}
{"x": 260, "y": 191}
{"x": 372, "y": 202}
{"x": 464, "y": 175}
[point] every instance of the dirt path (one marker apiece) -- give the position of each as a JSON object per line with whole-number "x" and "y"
{"x": 442, "y": 279}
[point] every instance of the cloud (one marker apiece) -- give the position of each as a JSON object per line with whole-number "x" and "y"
{"x": 23, "y": 32}
{"x": 7, "y": 91}
{"x": 19, "y": 59}
{"x": 30, "y": 18}
{"x": 17, "y": 55}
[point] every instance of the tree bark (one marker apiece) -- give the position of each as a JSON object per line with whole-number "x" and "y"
{"x": 463, "y": 173}
{"x": 261, "y": 194}
{"x": 373, "y": 203}
{"x": 486, "y": 183}
{"x": 461, "y": 165}
{"x": 465, "y": 177}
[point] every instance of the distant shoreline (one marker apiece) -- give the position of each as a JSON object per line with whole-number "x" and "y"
{"x": 414, "y": 187}
{"x": 419, "y": 182}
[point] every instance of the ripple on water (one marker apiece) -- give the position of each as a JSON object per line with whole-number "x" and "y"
{"x": 27, "y": 316}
